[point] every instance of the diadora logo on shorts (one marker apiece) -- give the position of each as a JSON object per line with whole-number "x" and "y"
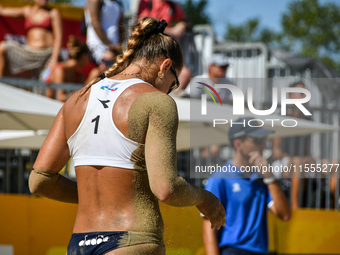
{"x": 94, "y": 241}
{"x": 107, "y": 88}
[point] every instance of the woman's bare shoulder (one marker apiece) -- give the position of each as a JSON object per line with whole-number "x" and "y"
{"x": 76, "y": 102}
{"x": 55, "y": 13}
{"x": 155, "y": 107}
{"x": 27, "y": 10}
{"x": 154, "y": 101}
{"x": 151, "y": 109}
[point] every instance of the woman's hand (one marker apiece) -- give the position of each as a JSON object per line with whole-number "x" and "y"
{"x": 211, "y": 208}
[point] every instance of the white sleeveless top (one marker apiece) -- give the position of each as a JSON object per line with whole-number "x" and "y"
{"x": 97, "y": 141}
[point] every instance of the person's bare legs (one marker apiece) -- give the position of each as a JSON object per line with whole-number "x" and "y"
{"x": 2, "y": 59}
{"x": 50, "y": 93}
{"x": 332, "y": 168}
{"x": 295, "y": 182}
{"x": 296, "y": 176}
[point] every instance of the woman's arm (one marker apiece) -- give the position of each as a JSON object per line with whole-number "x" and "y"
{"x": 160, "y": 156}
{"x": 57, "y": 35}
{"x": 13, "y": 12}
{"x": 58, "y": 76}
{"x": 53, "y": 156}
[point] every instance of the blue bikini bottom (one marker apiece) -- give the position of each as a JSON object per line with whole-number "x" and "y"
{"x": 99, "y": 243}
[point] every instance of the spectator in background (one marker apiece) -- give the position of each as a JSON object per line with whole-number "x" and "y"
{"x": 107, "y": 61}
{"x": 217, "y": 69}
{"x": 296, "y": 151}
{"x": 104, "y": 22}
{"x": 298, "y": 145}
{"x": 172, "y": 13}
{"x": 68, "y": 71}
{"x": 245, "y": 196}
{"x": 44, "y": 39}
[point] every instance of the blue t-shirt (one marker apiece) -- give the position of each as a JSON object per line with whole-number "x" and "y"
{"x": 245, "y": 201}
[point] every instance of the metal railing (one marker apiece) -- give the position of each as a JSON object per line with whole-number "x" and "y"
{"x": 39, "y": 87}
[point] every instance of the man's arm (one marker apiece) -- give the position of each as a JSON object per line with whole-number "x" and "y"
{"x": 176, "y": 31}
{"x": 179, "y": 18}
{"x": 280, "y": 207}
{"x": 210, "y": 239}
{"x": 119, "y": 46}
{"x": 121, "y": 28}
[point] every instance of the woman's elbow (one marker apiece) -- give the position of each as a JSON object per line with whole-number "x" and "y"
{"x": 34, "y": 184}
{"x": 163, "y": 193}
{"x": 38, "y": 183}
{"x": 163, "y": 196}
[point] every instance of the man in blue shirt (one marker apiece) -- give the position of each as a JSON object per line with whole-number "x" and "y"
{"x": 246, "y": 195}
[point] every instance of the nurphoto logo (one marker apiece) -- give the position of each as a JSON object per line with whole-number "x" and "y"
{"x": 239, "y": 102}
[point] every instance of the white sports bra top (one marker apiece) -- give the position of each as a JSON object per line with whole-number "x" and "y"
{"x": 97, "y": 141}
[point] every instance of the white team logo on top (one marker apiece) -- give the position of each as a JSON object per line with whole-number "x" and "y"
{"x": 236, "y": 187}
{"x": 109, "y": 89}
{"x": 99, "y": 239}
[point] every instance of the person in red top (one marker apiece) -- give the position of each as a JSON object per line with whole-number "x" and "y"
{"x": 44, "y": 39}
{"x": 172, "y": 13}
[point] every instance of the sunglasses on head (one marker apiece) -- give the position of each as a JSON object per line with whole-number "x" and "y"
{"x": 174, "y": 72}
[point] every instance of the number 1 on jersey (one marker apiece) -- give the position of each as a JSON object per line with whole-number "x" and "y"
{"x": 96, "y": 119}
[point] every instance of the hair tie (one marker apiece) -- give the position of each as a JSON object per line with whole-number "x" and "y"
{"x": 161, "y": 25}
{"x": 102, "y": 76}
